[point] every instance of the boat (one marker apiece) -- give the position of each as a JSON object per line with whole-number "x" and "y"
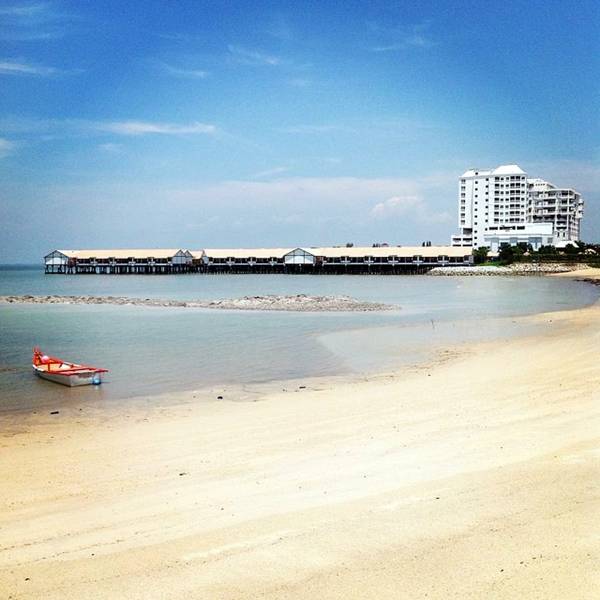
{"x": 65, "y": 372}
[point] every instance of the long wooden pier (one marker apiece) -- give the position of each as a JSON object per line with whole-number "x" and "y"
{"x": 398, "y": 260}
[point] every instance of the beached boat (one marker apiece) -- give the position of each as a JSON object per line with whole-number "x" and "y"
{"x": 62, "y": 371}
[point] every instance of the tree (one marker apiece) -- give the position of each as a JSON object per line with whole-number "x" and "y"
{"x": 547, "y": 250}
{"x": 572, "y": 249}
{"x": 509, "y": 254}
{"x": 480, "y": 255}
{"x": 505, "y": 254}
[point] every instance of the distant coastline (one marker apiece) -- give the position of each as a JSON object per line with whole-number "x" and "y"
{"x": 21, "y": 267}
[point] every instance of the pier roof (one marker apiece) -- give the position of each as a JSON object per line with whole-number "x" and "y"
{"x": 247, "y": 252}
{"x": 407, "y": 251}
{"x": 335, "y": 251}
{"x": 124, "y": 253}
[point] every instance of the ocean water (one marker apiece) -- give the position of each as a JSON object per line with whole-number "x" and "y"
{"x": 154, "y": 350}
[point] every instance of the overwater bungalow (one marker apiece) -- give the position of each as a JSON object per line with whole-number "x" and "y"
{"x": 323, "y": 260}
{"x": 119, "y": 262}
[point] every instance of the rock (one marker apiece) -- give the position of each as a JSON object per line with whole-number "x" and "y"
{"x": 55, "y": 412}
{"x": 510, "y": 270}
{"x": 468, "y": 271}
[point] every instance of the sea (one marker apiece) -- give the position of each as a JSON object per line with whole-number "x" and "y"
{"x": 151, "y": 351}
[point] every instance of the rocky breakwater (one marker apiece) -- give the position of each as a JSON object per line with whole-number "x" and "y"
{"x": 468, "y": 271}
{"x": 295, "y": 303}
{"x": 505, "y": 271}
{"x": 544, "y": 268}
{"x": 299, "y": 302}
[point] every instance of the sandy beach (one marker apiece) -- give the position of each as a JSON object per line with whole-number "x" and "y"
{"x": 473, "y": 476}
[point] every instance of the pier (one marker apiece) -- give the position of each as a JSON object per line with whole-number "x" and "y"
{"x": 118, "y": 262}
{"x": 398, "y": 260}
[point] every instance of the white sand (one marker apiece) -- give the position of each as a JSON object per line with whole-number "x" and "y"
{"x": 474, "y": 477}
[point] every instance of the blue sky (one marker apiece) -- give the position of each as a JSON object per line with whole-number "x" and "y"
{"x": 206, "y": 124}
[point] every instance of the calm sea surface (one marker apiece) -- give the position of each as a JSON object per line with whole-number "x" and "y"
{"x": 153, "y": 350}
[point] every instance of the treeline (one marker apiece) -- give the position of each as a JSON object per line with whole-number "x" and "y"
{"x": 579, "y": 252}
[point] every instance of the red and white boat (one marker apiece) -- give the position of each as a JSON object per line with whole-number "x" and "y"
{"x": 62, "y": 371}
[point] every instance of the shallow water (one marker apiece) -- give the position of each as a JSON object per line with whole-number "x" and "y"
{"x": 154, "y": 350}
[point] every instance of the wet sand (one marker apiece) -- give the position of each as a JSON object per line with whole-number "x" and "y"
{"x": 474, "y": 476}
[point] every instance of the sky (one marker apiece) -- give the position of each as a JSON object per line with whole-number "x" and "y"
{"x": 246, "y": 124}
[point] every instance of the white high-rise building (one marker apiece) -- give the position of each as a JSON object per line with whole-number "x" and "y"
{"x": 499, "y": 206}
{"x": 563, "y": 207}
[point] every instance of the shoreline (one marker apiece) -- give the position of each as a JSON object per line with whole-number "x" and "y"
{"x": 440, "y": 479}
{"x": 423, "y": 352}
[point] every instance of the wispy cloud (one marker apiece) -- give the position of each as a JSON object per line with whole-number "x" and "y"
{"x": 145, "y": 128}
{"x": 417, "y": 41}
{"x": 32, "y": 21}
{"x": 394, "y": 39}
{"x": 247, "y": 56}
{"x": 270, "y": 172}
{"x": 6, "y": 147}
{"x": 79, "y": 127}
{"x": 184, "y": 73}
{"x": 23, "y": 10}
{"x": 12, "y": 66}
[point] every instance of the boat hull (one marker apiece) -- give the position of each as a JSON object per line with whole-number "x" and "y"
{"x": 72, "y": 380}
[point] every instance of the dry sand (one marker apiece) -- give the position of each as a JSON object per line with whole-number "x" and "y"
{"x": 587, "y": 273}
{"x": 476, "y": 476}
